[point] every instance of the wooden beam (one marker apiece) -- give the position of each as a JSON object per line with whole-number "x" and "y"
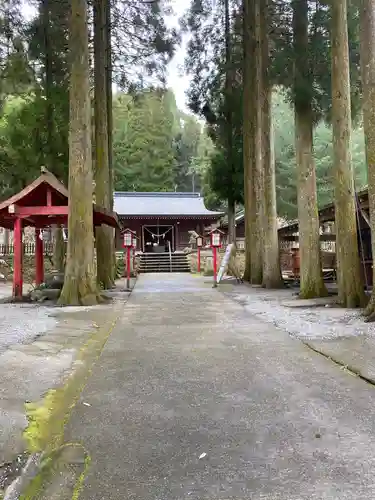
{"x": 43, "y": 210}
{"x": 323, "y": 237}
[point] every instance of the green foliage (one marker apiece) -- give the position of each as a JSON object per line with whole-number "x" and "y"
{"x": 156, "y": 147}
{"x": 143, "y": 143}
{"x": 208, "y": 95}
{"x": 285, "y": 159}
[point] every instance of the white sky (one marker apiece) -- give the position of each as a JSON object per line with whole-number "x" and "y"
{"x": 176, "y": 79}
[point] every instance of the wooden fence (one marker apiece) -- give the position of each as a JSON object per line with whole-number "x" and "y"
{"x": 28, "y": 249}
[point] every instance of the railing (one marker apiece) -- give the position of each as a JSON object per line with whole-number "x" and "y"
{"x": 28, "y": 249}
{"x": 170, "y": 256}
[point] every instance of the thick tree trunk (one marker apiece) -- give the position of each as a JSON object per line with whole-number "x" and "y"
{"x": 248, "y": 123}
{"x": 229, "y": 125}
{"x": 311, "y": 277}
{"x": 108, "y": 40}
{"x": 257, "y": 184}
{"x": 231, "y": 222}
{"x": 58, "y": 249}
{"x": 80, "y": 286}
{"x": 103, "y": 185}
{"x": 367, "y": 31}
{"x": 271, "y": 258}
{"x": 351, "y": 293}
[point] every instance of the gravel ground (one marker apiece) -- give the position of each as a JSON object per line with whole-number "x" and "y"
{"x": 313, "y": 323}
{"x": 20, "y": 324}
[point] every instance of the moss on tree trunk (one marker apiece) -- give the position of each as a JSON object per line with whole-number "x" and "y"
{"x": 103, "y": 184}
{"x": 80, "y": 287}
{"x": 367, "y": 31}
{"x": 351, "y": 293}
{"x": 311, "y": 277}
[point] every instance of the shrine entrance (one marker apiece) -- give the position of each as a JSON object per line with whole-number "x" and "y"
{"x": 158, "y": 239}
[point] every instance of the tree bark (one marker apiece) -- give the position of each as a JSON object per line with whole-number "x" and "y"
{"x": 58, "y": 249}
{"x": 229, "y": 124}
{"x": 248, "y": 123}
{"x": 103, "y": 185}
{"x": 231, "y": 222}
{"x": 80, "y": 286}
{"x": 108, "y": 40}
{"x": 367, "y": 50}
{"x": 351, "y": 293}
{"x": 311, "y": 277}
{"x": 257, "y": 184}
{"x": 271, "y": 258}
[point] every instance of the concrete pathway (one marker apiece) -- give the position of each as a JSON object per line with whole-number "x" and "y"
{"x": 194, "y": 398}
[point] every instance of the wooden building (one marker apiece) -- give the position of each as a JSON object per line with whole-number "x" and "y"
{"x": 162, "y": 219}
{"x": 288, "y": 234}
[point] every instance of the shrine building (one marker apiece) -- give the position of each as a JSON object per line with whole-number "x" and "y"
{"x": 162, "y": 219}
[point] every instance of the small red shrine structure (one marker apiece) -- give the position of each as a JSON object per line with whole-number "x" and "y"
{"x": 41, "y": 204}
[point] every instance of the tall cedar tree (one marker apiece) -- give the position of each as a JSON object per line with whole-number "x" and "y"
{"x": 252, "y": 137}
{"x": 248, "y": 121}
{"x": 311, "y": 278}
{"x": 367, "y": 30}
{"x": 350, "y": 286}
{"x": 228, "y": 123}
{"x": 257, "y": 184}
{"x": 80, "y": 286}
{"x": 103, "y": 184}
{"x": 271, "y": 260}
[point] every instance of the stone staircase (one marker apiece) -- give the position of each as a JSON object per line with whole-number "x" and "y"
{"x": 163, "y": 263}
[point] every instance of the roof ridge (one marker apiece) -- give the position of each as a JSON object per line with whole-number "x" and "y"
{"x": 156, "y": 194}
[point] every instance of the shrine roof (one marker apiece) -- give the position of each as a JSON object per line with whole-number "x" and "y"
{"x": 164, "y": 204}
{"x": 37, "y": 195}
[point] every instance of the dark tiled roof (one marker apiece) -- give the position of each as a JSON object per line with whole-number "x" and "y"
{"x": 163, "y": 204}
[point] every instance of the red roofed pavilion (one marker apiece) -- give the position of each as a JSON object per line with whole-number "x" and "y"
{"x": 41, "y": 204}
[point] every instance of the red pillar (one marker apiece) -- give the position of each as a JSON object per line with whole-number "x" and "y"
{"x": 17, "y": 264}
{"x": 128, "y": 250}
{"x": 215, "y": 265}
{"x": 39, "y": 259}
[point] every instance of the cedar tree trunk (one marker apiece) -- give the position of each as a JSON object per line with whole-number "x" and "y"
{"x": 367, "y": 31}
{"x": 351, "y": 293}
{"x": 311, "y": 277}
{"x": 58, "y": 249}
{"x": 103, "y": 185}
{"x": 256, "y": 182}
{"x": 271, "y": 257}
{"x": 80, "y": 286}
{"x": 248, "y": 123}
{"x": 231, "y": 222}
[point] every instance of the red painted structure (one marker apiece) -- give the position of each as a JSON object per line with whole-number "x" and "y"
{"x": 41, "y": 204}
{"x": 215, "y": 243}
{"x": 162, "y": 219}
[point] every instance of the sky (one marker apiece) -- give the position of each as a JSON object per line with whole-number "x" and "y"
{"x": 176, "y": 80}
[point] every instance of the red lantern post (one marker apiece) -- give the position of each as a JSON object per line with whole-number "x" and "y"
{"x": 128, "y": 244}
{"x": 215, "y": 239}
{"x": 199, "y": 241}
